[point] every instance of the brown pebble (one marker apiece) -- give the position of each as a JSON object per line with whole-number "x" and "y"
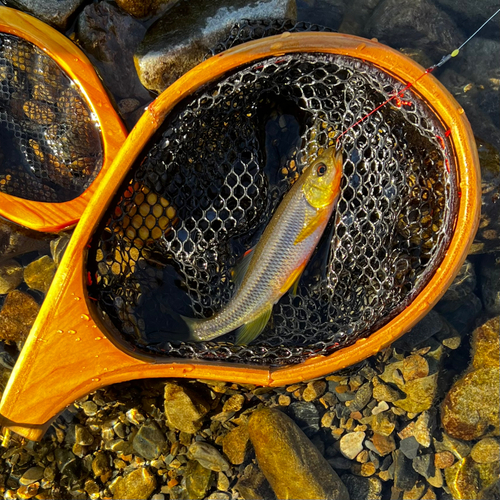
{"x": 356, "y": 415}
{"x": 383, "y": 444}
{"x": 486, "y": 451}
{"x": 284, "y": 400}
{"x": 415, "y": 366}
{"x": 314, "y": 390}
{"x": 444, "y": 459}
{"x": 363, "y": 457}
{"x": 293, "y": 388}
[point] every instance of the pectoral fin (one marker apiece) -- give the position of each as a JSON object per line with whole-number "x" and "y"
{"x": 249, "y": 331}
{"x": 311, "y": 223}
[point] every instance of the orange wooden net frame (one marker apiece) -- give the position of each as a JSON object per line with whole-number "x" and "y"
{"x": 73, "y": 349}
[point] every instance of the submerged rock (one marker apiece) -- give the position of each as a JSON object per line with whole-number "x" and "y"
{"x": 253, "y": 485}
{"x": 57, "y": 13}
{"x": 197, "y": 480}
{"x": 17, "y": 316}
{"x": 283, "y": 451}
{"x": 471, "y": 407}
{"x": 417, "y": 22}
{"x": 143, "y": 8}
{"x": 149, "y": 441}
{"x": 181, "y": 38}
{"x": 137, "y": 485}
{"x": 490, "y": 278}
{"x": 11, "y": 276}
{"x": 39, "y": 273}
{"x": 110, "y": 37}
{"x": 208, "y": 456}
{"x": 363, "y": 488}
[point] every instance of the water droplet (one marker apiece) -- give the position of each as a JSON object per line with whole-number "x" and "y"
{"x": 285, "y": 34}
{"x": 361, "y": 46}
{"x": 98, "y": 338}
{"x": 77, "y": 339}
{"x": 60, "y": 331}
{"x": 96, "y": 379}
{"x": 85, "y": 317}
{"x": 276, "y": 46}
{"x": 460, "y": 111}
{"x": 77, "y": 298}
{"x": 71, "y": 332}
{"x": 94, "y": 326}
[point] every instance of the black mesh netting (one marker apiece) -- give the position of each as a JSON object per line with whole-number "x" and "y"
{"x": 50, "y": 144}
{"x": 204, "y": 188}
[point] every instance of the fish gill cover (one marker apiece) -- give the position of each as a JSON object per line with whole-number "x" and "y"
{"x": 50, "y": 146}
{"x": 205, "y": 187}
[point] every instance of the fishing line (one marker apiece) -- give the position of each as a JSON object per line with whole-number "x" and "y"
{"x": 430, "y": 69}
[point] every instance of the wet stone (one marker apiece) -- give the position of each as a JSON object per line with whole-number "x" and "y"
{"x": 363, "y": 488}
{"x": 181, "y": 38}
{"x": 208, "y": 456}
{"x": 235, "y": 444}
{"x": 420, "y": 394}
{"x": 143, "y": 8}
{"x": 17, "y": 316}
{"x": 198, "y": 480}
{"x": 11, "y": 276}
{"x": 57, "y": 13}
{"x": 384, "y": 392}
{"x": 306, "y": 416}
{"x": 383, "y": 444}
{"x": 280, "y": 445}
{"x": 404, "y": 474}
{"x": 383, "y": 423}
{"x": 67, "y": 463}
{"x": 424, "y": 465}
{"x": 149, "y": 442}
{"x": 112, "y": 49}
{"x": 234, "y": 403}
{"x": 253, "y": 485}
{"x": 137, "y": 485}
{"x": 58, "y": 247}
{"x": 414, "y": 367}
{"x": 314, "y": 390}
{"x": 444, "y": 459}
{"x": 463, "y": 284}
{"x": 100, "y": 464}
{"x": 184, "y": 408}
{"x": 410, "y": 447}
{"x": 486, "y": 344}
{"x": 89, "y": 408}
{"x": 32, "y": 475}
{"x": 351, "y": 444}
{"x": 39, "y": 273}
{"x": 362, "y": 397}
{"x": 464, "y": 317}
{"x": 82, "y": 436}
{"x": 429, "y": 325}
{"x": 486, "y": 451}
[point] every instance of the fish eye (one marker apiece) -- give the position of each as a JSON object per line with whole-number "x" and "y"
{"x": 321, "y": 169}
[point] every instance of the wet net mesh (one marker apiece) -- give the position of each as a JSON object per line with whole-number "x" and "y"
{"x": 50, "y": 145}
{"x": 205, "y": 187}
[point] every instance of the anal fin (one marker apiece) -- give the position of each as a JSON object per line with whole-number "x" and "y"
{"x": 249, "y": 331}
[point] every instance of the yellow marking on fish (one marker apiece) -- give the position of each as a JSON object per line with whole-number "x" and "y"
{"x": 292, "y": 278}
{"x": 310, "y": 225}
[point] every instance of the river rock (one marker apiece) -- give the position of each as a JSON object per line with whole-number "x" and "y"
{"x": 327, "y": 13}
{"x": 363, "y": 488}
{"x": 32, "y": 475}
{"x": 39, "y": 273}
{"x": 235, "y": 444}
{"x": 197, "y": 480}
{"x": 17, "y": 316}
{"x": 351, "y": 444}
{"x": 208, "y": 456}
{"x": 185, "y": 33}
{"x": 383, "y": 444}
{"x": 184, "y": 407}
{"x": 417, "y": 22}
{"x": 404, "y": 475}
{"x": 16, "y": 240}
{"x": 110, "y": 37}
{"x": 137, "y": 485}
{"x": 464, "y": 317}
{"x": 306, "y": 416}
{"x": 11, "y": 276}
{"x": 253, "y": 485}
{"x": 486, "y": 451}
{"x": 57, "y": 13}
{"x": 314, "y": 390}
{"x": 471, "y": 13}
{"x": 356, "y": 16}
{"x": 281, "y": 446}
{"x": 143, "y": 8}
{"x": 431, "y": 324}
{"x": 471, "y": 407}
{"x": 490, "y": 278}
{"x": 463, "y": 284}
{"x": 149, "y": 442}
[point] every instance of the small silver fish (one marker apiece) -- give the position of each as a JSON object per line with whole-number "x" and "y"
{"x": 280, "y": 256}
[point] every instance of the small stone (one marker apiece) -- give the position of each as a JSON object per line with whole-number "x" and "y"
{"x": 137, "y": 485}
{"x": 383, "y": 423}
{"x": 421, "y": 430}
{"x": 436, "y": 480}
{"x": 363, "y": 488}
{"x": 420, "y": 394}
{"x": 66, "y": 463}
{"x": 58, "y": 247}
{"x": 429, "y": 494}
{"x": 11, "y": 276}
{"x": 452, "y": 342}
{"x": 404, "y": 475}
{"x": 82, "y": 436}
{"x": 222, "y": 482}
{"x": 416, "y": 492}
{"x": 486, "y": 344}
{"x": 424, "y": 465}
{"x": 414, "y": 367}
{"x": 351, "y": 444}
{"x": 100, "y": 464}
{"x": 383, "y": 444}
{"x": 306, "y": 416}
{"x": 143, "y": 8}
{"x": 32, "y": 475}
{"x": 280, "y": 445}
{"x": 235, "y": 444}
{"x": 198, "y": 480}
{"x": 361, "y": 398}
{"x": 208, "y": 456}
{"x": 234, "y": 403}
{"x": 327, "y": 419}
{"x": 444, "y": 459}
{"x": 314, "y": 390}
{"x": 381, "y": 407}
{"x": 127, "y": 106}
{"x": 253, "y": 485}
{"x": 486, "y": 451}
{"x": 284, "y": 400}
{"x": 149, "y": 442}
{"x": 409, "y": 446}
{"x": 184, "y": 408}
{"x": 17, "y": 316}
{"x": 89, "y": 408}
{"x": 39, "y": 273}
{"x": 490, "y": 277}
{"x": 460, "y": 449}
{"x": 56, "y": 13}
{"x": 384, "y": 392}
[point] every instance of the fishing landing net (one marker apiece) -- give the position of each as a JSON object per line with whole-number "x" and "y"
{"x": 205, "y": 187}
{"x": 50, "y": 144}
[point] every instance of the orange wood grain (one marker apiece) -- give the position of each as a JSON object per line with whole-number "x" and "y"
{"x": 55, "y": 368}
{"x": 53, "y": 217}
